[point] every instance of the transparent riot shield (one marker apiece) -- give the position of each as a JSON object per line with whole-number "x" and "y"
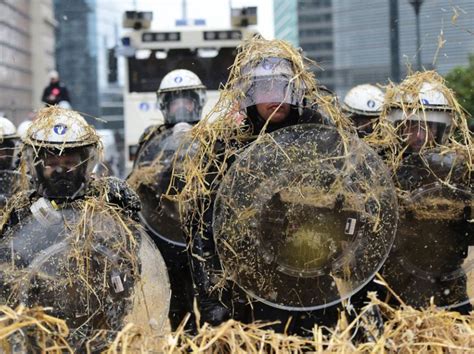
{"x": 95, "y": 270}
{"x": 153, "y": 174}
{"x": 304, "y": 218}
{"x": 433, "y": 253}
{"x": 9, "y": 184}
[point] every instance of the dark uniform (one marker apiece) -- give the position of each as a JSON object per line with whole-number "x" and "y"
{"x": 173, "y": 250}
{"x": 117, "y": 192}
{"x": 231, "y": 301}
{"x": 434, "y": 233}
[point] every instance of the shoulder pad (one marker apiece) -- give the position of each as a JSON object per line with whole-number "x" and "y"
{"x": 150, "y": 132}
{"x": 118, "y": 192}
{"x": 17, "y": 206}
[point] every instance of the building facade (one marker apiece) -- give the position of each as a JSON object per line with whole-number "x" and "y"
{"x": 26, "y": 55}
{"x": 315, "y": 31}
{"x": 43, "y": 44}
{"x": 16, "y": 76}
{"x": 285, "y": 14}
{"x": 350, "y": 39}
{"x": 308, "y": 24}
{"x": 87, "y": 33}
{"x": 76, "y": 53}
{"x": 362, "y": 39}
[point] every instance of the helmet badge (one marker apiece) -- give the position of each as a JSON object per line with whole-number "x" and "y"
{"x": 178, "y": 79}
{"x": 371, "y": 103}
{"x": 60, "y": 129}
{"x": 267, "y": 65}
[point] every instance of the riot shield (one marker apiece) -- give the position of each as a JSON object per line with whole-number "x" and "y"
{"x": 432, "y": 256}
{"x": 95, "y": 270}
{"x": 9, "y": 184}
{"x": 304, "y": 218}
{"x": 156, "y": 165}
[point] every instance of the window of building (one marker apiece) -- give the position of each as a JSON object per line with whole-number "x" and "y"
{"x": 315, "y": 32}
{"x": 311, "y": 4}
{"x": 314, "y": 18}
{"x": 317, "y": 46}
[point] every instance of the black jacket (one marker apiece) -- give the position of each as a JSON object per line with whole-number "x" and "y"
{"x": 117, "y": 192}
{"x": 55, "y": 93}
{"x": 230, "y": 301}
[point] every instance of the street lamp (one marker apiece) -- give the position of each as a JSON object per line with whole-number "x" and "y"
{"x": 416, "y": 6}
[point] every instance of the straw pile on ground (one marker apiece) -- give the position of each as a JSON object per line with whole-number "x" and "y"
{"x": 406, "y": 330}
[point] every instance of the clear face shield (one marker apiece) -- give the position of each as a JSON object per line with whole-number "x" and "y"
{"x": 62, "y": 174}
{"x": 422, "y": 129}
{"x": 180, "y": 106}
{"x": 271, "y": 87}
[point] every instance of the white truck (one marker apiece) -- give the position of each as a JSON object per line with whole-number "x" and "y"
{"x": 150, "y": 55}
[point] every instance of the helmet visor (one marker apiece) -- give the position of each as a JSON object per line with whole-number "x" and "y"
{"x": 62, "y": 174}
{"x": 180, "y": 106}
{"x": 418, "y": 134}
{"x": 271, "y": 89}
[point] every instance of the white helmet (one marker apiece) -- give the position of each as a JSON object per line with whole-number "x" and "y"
{"x": 433, "y": 98}
{"x": 61, "y": 149}
{"x": 64, "y": 104}
{"x": 432, "y": 104}
{"x": 365, "y": 100}
{"x": 177, "y": 90}
{"x": 23, "y": 129}
{"x": 7, "y": 128}
{"x": 59, "y": 127}
{"x": 8, "y": 144}
{"x": 430, "y": 109}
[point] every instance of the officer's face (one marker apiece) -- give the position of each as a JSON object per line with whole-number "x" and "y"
{"x": 418, "y": 134}
{"x": 60, "y": 164}
{"x": 178, "y": 104}
{"x": 275, "y": 111}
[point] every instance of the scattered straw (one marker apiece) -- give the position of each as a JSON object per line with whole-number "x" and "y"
{"x": 405, "y": 330}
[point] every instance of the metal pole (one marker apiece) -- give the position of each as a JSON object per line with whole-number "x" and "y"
{"x": 417, "y": 6}
{"x": 418, "y": 41}
{"x": 394, "y": 41}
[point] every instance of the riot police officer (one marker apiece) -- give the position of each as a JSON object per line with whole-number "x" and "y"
{"x": 181, "y": 98}
{"x": 434, "y": 234}
{"x": 65, "y": 240}
{"x": 363, "y": 104}
{"x": 271, "y": 87}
